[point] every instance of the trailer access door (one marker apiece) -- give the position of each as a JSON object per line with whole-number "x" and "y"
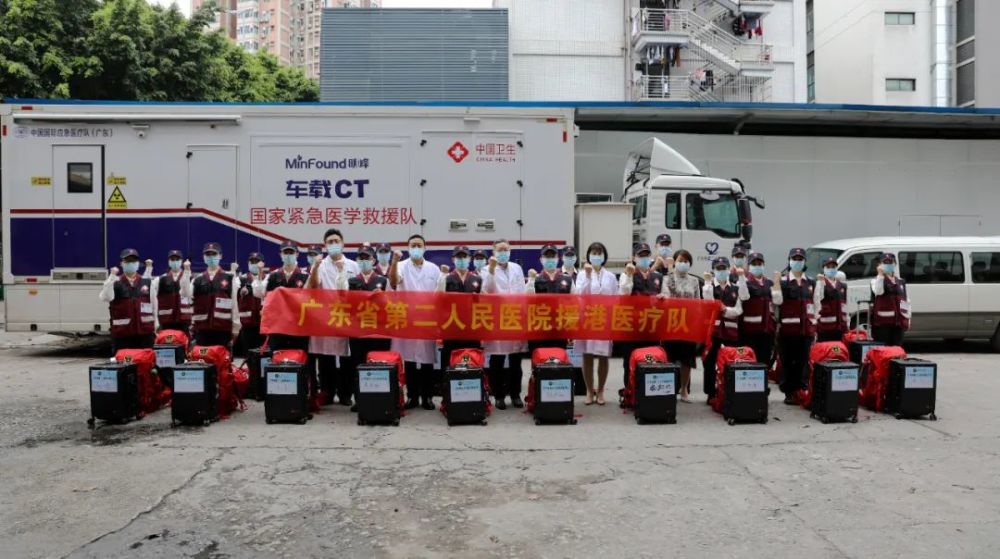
{"x": 78, "y": 202}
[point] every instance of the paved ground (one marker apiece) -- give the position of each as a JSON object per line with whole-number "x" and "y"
{"x": 606, "y": 487}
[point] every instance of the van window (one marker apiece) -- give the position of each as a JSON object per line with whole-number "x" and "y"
{"x": 861, "y": 265}
{"x": 931, "y": 267}
{"x": 718, "y": 216}
{"x": 638, "y": 207}
{"x": 673, "y": 215}
{"x": 986, "y": 267}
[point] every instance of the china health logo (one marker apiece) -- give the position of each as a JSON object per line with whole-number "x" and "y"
{"x": 458, "y": 152}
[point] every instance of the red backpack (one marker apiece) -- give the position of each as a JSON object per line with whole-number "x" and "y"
{"x": 652, "y": 354}
{"x": 392, "y": 358}
{"x": 875, "y": 375}
{"x": 290, "y": 356}
{"x": 468, "y": 358}
{"x": 823, "y": 351}
{"x": 855, "y": 336}
{"x": 727, "y": 355}
{"x": 229, "y": 400}
{"x": 153, "y": 394}
{"x": 173, "y": 337}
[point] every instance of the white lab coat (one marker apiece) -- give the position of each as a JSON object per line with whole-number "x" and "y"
{"x": 601, "y": 282}
{"x": 417, "y": 278}
{"x": 331, "y": 278}
{"x": 504, "y": 280}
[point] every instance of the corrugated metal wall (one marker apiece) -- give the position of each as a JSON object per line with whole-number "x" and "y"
{"x": 414, "y": 55}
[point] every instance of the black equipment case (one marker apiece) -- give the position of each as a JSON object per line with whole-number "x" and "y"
{"x": 835, "y": 391}
{"x": 745, "y": 393}
{"x": 912, "y": 389}
{"x": 287, "y": 394}
{"x": 257, "y": 361}
{"x": 465, "y": 396}
{"x": 114, "y": 393}
{"x": 196, "y": 390}
{"x": 377, "y": 394}
{"x": 553, "y": 393}
{"x": 656, "y": 392}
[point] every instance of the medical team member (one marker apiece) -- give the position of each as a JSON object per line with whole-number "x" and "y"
{"x": 173, "y": 312}
{"x": 216, "y": 318}
{"x": 480, "y": 260}
{"x": 367, "y": 279}
{"x": 133, "y": 321}
{"x": 569, "y": 262}
{"x": 796, "y": 325}
{"x": 830, "y": 302}
{"x": 664, "y": 253}
{"x": 639, "y": 279}
{"x": 597, "y": 280}
{"x": 250, "y": 304}
{"x": 383, "y": 258}
{"x": 890, "y": 303}
{"x": 503, "y": 276}
{"x": 757, "y": 325}
{"x": 292, "y": 277}
{"x": 727, "y": 329}
{"x": 416, "y": 274}
{"x": 460, "y": 280}
{"x": 550, "y": 280}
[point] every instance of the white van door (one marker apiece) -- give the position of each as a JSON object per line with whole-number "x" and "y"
{"x": 78, "y": 195}
{"x": 937, "y": 284}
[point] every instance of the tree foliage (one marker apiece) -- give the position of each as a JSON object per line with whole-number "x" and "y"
{"x": 129, "y": 50}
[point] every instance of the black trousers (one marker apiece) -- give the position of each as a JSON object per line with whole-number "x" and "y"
{"x": 762, "y": 346}
{"x": 794, "y": 362}
{"x": 419, "y": 380}
{"x": 708, "y": 364}
{"x": 831, "y": 336}
{"x": 276, "y": 342}
{"x": 250, "y": 338}
{"x": 506, "y": 375}
{"x": 142, "y": 341}
{"x": 888, "y": 335}
{"x": 213, "y": 337}
{"x": 336, "y": 379}
{"x": 360, "y": 347}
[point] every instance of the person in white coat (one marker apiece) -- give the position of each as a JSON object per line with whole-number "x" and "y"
{"x": 332, "y": 272}
{"x": 596, "y": 280}
{"x": 503, "y": 276}
{"x": 416, "y": 274}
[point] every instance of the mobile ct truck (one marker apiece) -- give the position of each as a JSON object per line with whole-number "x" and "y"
{"x": 81, "y": 181}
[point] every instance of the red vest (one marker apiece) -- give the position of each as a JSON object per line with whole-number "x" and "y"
{"x": 132, "y": 309}
{"x": 249, "y": 305}
{"x": 891, "y": 308}
{"x": 796, "y": 310}
{"x": 757, "y": 316}
{"x": 727, "y": 329}
{"x": 833, "y": 307}
{"x": 173, "y": 309}
{"x": 213, "y": 303}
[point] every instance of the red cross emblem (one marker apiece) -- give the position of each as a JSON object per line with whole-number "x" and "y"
{"x": 458, "y": 152}
{"x": 298, "y": 283}
{"x": 225, "y": 284}
{"x": 145, "y": 289}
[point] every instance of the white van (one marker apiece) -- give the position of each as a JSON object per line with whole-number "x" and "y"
{"x": 953, "y": 282}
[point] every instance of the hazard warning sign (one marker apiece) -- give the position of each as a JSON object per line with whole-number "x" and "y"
{"x": 117, "y": 200}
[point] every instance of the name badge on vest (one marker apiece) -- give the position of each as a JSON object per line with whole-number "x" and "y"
{"x": 221, "y": 303}
{"x": 185, "y": 300}
{"x": 146, "y": 308}
{"x": 144, "y": 290}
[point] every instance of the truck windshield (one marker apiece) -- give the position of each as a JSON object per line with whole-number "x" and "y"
{"x": 719, "y": 216}
{"x": 816, "y": 256}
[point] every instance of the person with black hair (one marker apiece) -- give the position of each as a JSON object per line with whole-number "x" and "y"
{"x": 551, "y": 280}
{"x": 503, "y": 276}
{"x": 679, "y": 283}
{"x": 796, "y": 325}
{"x": 292, "y": 277}
{"x": 639, "y": 279}
{"x": 596, "y": 280}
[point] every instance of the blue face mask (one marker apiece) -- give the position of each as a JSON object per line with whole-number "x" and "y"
{"x": 569, "y": 261}
{"x": 549, "y": 263}
{"x": 502, "y": 256}
{"x": 889, "y": 269}
{"x": 254, "y": 268}
{"x": 289, "y": 259}
{"x": 596, "y": 259}
{"x": 665, "y": 251}
{"x": 334, "y": 249}
{"x": 383, "y": 258}
{"x": 757, "y": 271}
{"x": 174, "y": 264}
{"x": 830, "y": 272}
{"x": 366, "y": 265}
{"x": 416, "y": 253}
{"x": 461, "y": 263}
{"x": 796, "y": 265}
{"x": 683, "y": 267}
{"x": 644, "y": 262}
{"x": 212, "y": 261}
{"x": 721, "y": 275}
{"x": 130, "y": 267}
{"x": 479, "y": 263}
{"x": 739, "y": 262}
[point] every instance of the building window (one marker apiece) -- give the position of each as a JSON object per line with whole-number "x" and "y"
{"x": 965, "y": 16}
{"x": 899, "y": 18}
{"x": 965, "y": 84}
{"x": 811, "y": 77}
{"x": 900, "y": 84}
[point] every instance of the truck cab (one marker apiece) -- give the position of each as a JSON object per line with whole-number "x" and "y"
{"x": 703, "y": 215}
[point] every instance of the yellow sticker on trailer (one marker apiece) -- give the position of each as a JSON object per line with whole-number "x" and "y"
{"x": 116, "y": 181}
{"x": 41, "y": 181}
{"x": 117, "y": 200}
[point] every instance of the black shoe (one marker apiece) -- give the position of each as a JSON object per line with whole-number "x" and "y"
{"x": 791, "y": 401}
{"x": 354, "y": 408}
{"x": 428, "y": 404}
{"x": 411, "y": 403}
{"x": 345, "y": 402}
{"x": 516, "y": 402}
{"x": 499, "y": 403}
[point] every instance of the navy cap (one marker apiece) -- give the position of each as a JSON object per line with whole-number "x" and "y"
{"x": 887, "y": 256}
{"x": 663, "y": 239}
{"x": 288, "y": 245}
{"x": 129, "y": 252}
{"x": 314, "y": 250}
{"x": 797, "y": 252}
{"x": 739, "y": 249}
{"x": 719, "y": 262}
{"x": 479, "y": 254}
{"x": 829, "y": 260}
{"x": 383, "y": 247}
{"x": 255, "y": 256}
{"x": 173, "y": 253}
{"x": 641, "y": 247}
{"x": 460, "y": 249}
{"x": 550, "y": 248}
{"x": 368, "y": 251}
{"x": 569, "y": 250}
{"x": 755, "y": 256}
{"x": 212, "y": 247}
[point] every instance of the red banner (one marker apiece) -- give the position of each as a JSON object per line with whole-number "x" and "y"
{"x": 463, "y": 316}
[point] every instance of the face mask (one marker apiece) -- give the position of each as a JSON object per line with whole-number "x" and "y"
{"x": 796, "y": 265}
{"x": 889, "y": 269}
{"x": 366, "y": 265}
{"x": 721, "y": 275}
{"x": 683, "y": 267}
{"x": 130, "y": 267}
{"x": 830, "y": 272}
{"x": 334, "y": 249}
{"x": 665, "y": 251}
{"x": 739, "y": 262}
{"x": 212, "y": 261}
{"x": 310, "y": 259}
{"x": 596, "y": 259}
{"x": 416, "y": 253}
{"x": 569, "y": 261}
{"x": 289, "y": 259}
{"x": 383, "y": 258}
{"x": 461, "y": 263}
{"x": 644, "y": 262}
{"x": 254, "y": 268}
{"x": 502, "y": 256}
{"x": 549, "y": 263}
{"x": 757, "y": 271}
{"x": 479, "y": 263}
{"x": 174, "y": 264}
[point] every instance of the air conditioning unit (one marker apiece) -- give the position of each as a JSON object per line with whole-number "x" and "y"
{"x": 593, "y": 197}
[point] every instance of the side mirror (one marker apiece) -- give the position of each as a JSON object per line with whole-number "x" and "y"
{"x": 746, "y": 231}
